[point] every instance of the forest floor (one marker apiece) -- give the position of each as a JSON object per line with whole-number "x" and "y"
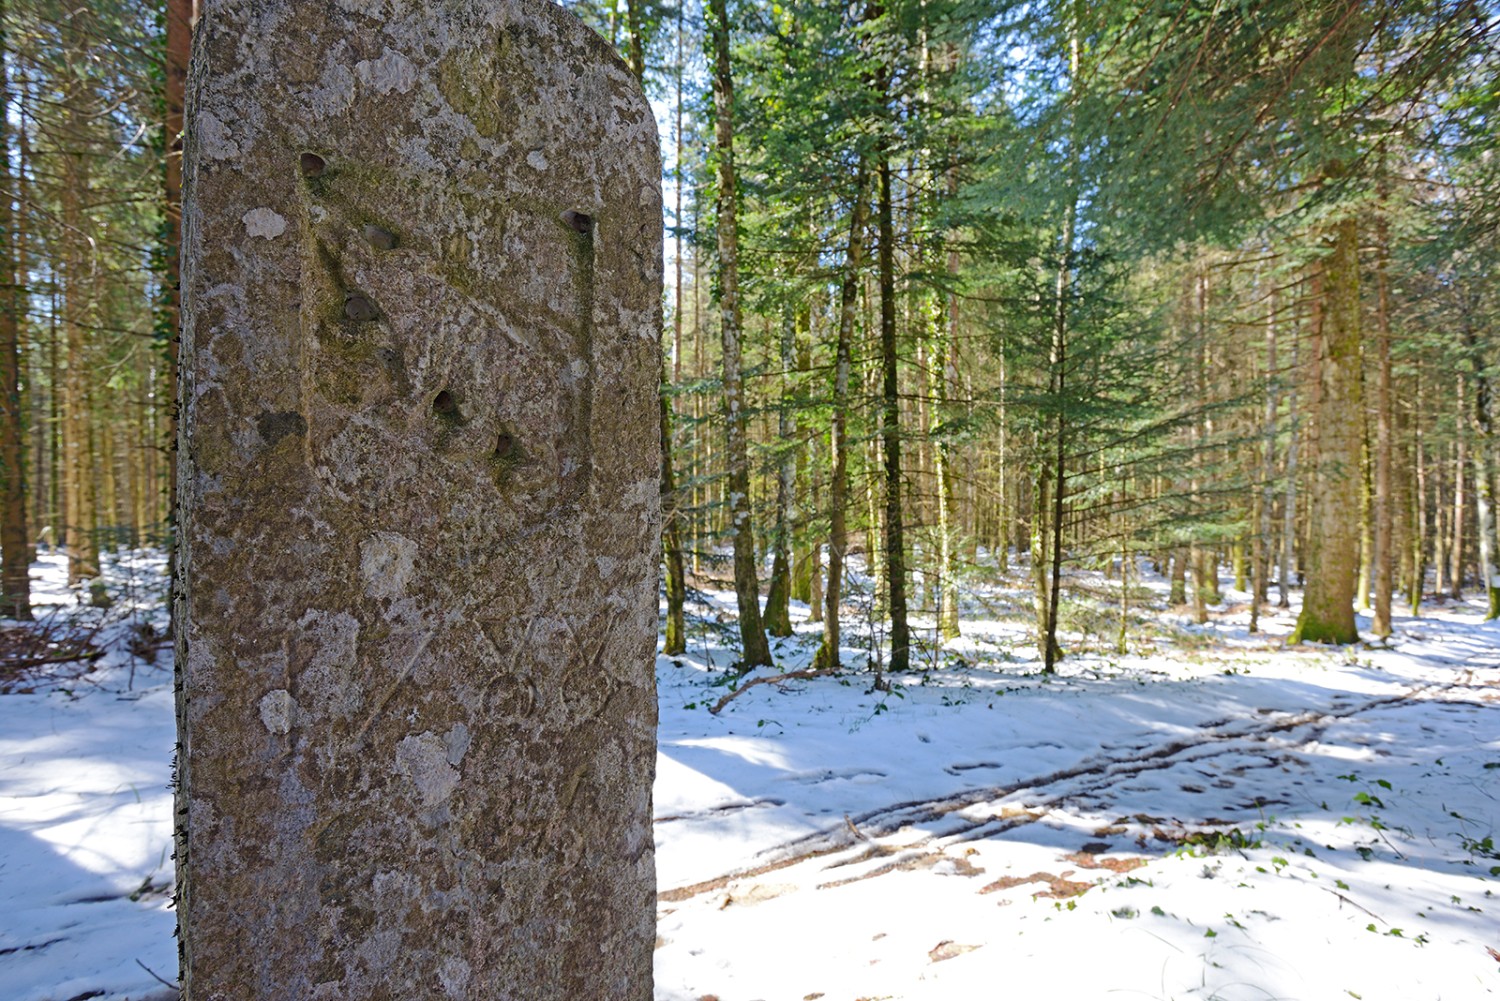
{"x": 1212, "y": 815}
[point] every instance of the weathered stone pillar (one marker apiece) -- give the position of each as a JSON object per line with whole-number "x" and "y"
{"x": 417, "y": 597}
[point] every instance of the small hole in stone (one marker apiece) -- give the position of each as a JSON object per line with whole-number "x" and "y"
{"x": 380, "y": 238}
{"x": 580, "y": 222}
{"x": 445, "y": 405}
{"x": 505, "y": 446}
{"x": 313, "y": 165}
{"x": 359, "y": 308}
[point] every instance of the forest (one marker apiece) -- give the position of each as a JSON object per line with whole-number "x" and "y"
{"x": 1029, "y": 338}
{"x": 949, "y": 284}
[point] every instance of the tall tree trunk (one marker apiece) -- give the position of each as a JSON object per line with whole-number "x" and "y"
{"x": 181, "y": 16}
{"x": 1366, "y": 578}
{"x": 1333, "y": 530}
{"x": 943, "y": 385}
{"x": 755, "y": 649}
{"x": 78, "y": 291}
{"x": 1384, "y": 437}
{"x": 674, "y": 640}
{"x": 1460, "y": 475}
{"x": 838, "y": 484}
{"x": 779, "y": 595}
{"x": 807, "y": 562}
{"x": 1041, "y": 565}
{"x": 1057, "y": 363}
{"x": 1289, "y": 501}
{"x": 1419, "y": 514}
{"x": 1263, "y": 555}
{"x": 890, "y": 425}
{"x": 1484, "y": 484}
{"x": 635, "y": 41}
{"x": 15, "y": 563}
{"x": 1204, "y": 585}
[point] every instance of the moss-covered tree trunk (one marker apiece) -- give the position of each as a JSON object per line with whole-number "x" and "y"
{"x": 1332, "y": 558}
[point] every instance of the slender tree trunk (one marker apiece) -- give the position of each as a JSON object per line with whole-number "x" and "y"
{"x": 1460, "y": 474}
{"x": 890, "y": 427}
{"x": 756, "y": 651}
{"x": 778, "y": 599}
{"x": 1384, "y": 439}
{"x": 1333, "y": 534}
{"x": 1267, "y": 464}
{"x": 1041, "y": 565}
{"x": 1366, "y": 577}
{"x": 1289, "y": 501}
{"x": 78, "y": 288}
{"x": 1125, "y": 560}
{"x": 1419, "y": 504}
{"x": 943, "y": 385}
{"x": 838, "y": 485}
{"x": 1484, "y": 484}
{"x": 674, "y": 640}
{"x": 1205, "y": 585}
{"x": 180, "y": 17}
{"x": 15, "y": 579}
{"x": 1058, "y": 366}
{"x": 1441, "y": 513}
{"x": 807, "y": 548}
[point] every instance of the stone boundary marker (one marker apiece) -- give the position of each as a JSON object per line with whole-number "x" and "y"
{"x": 417, "y": 602}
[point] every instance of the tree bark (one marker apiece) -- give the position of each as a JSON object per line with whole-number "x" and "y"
{"x": 181, "y": 16}
{"x": 838, "y": 488}
{"x": 674, "y": 640}
{"x": 1263, "y": 554}
{"x": 943, "y": 366}
{"x": 1384, "y": 438}
{"x": 1333, "y": 527}
{"x": 755, "y": 650}
{"x": 15, "y": 563}
{"x": 779, "y": 596}
{"x": 1484, "y": 484}
{"x": 1460, "y": 472}
{"x": 890, "y": 427}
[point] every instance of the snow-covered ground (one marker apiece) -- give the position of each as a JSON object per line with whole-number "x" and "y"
{"x": 1208, "y": 816}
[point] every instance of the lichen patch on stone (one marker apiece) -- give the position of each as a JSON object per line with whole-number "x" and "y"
{"x": 386, "y": 562}
{"x": 423, "y": 759}
{"x": 214, "y": 138}
{"x": 276, "y": 711}
{"x": 264, "y": 222}
{"x": 392, "y": 71}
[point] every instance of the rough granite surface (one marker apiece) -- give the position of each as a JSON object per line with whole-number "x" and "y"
{"x": 419, "y": 506}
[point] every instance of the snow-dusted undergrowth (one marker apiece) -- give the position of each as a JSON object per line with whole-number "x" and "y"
{"x": 1209, "y": 816}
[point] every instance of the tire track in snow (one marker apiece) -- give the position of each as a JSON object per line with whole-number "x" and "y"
{"x": 858, "y": 835}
